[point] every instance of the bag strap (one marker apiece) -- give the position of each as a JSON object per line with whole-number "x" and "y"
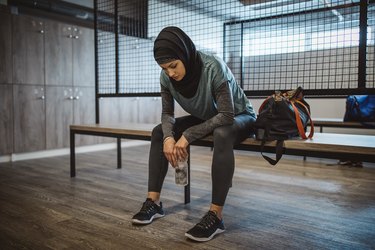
{"x": 311, "y": 134}
{"x": 300, "y": 127}
{"x": 278, "y": 151}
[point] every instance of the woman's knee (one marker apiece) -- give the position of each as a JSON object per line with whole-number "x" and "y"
{"x": 157, "y": 132}
{"x": 223, "y": 134}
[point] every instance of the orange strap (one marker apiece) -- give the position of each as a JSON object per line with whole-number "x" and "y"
{"x": 311, "y": 121}
{"x": 300, "y": 127}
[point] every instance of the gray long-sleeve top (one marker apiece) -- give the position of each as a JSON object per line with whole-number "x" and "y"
{"x": 217, "y": 100}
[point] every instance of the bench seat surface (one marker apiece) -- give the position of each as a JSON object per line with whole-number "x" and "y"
{"x": 339, "y": 123}
{"x": 141, "y": 129}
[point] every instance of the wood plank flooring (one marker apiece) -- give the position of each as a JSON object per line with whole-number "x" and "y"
{"x": 296, "y": 205}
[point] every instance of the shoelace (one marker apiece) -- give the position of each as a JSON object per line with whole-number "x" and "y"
{"x": 207, "y": 221}
{"x": 147, "y": 206}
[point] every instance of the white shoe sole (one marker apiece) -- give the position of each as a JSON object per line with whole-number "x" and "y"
{"x": 144, "y": 222}
{"x": 218, "y": 231}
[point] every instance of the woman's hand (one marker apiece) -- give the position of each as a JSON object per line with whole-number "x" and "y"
{"x": 180, "y": 148}
{"x": 169, "y": 152}
{"x": 175, "y": 151}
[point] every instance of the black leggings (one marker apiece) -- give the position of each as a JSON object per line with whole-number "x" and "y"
{"x": 224, "y": 138}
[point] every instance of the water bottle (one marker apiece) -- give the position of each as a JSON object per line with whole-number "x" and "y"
{"x": 181, "y": 175}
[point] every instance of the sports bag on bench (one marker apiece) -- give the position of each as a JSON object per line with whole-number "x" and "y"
{"x": 360, "y": 108}
{"x": 280, "y": 117}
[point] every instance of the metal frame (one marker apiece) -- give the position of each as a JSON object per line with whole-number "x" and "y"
{"x": 118, "y": 137}
{"x": 208, "y": 143}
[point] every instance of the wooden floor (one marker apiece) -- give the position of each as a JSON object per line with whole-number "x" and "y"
{"x": 296, "y": 205}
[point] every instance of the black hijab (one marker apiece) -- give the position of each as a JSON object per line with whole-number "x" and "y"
{"x": 173, "y": 44}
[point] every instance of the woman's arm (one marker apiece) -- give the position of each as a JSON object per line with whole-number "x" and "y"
{"x": 167, "y": 121}
{"x": 167, "y": 114}
{"x": 225, "y": 116}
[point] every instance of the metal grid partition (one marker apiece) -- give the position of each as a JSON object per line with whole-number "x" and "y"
{"x": 370, "y": 49}
{"x": 105, "y": 47}
{"x": 320, "y": 46}
{"x": 325, "y": 46}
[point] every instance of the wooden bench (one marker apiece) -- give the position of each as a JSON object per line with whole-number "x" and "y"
{"x": 323, "y": 145}
{"x": 339, "y": 123}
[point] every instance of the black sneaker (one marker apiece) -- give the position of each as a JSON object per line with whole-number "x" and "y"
{"x": 148, "y": 212}
{"x": 207, "y": 228}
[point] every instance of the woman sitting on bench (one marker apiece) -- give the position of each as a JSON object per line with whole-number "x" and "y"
{"x": 205, "y": 88}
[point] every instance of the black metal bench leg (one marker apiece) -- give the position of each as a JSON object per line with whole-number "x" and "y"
{"x": 72, "y": 154}
{"x": 187, "y": 187}
{"x": 119, "y": 163}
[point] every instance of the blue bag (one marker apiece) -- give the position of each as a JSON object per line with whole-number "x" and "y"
{"x": 360, "y": 108}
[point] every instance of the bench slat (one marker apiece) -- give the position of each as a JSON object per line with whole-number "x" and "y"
{"x": 141, "y": 129}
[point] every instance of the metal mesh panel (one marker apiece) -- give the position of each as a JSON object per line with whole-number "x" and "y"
{"x": 268, "y": 45}
{"x": 105, "y": 52}
{"x": 370, "y": 52}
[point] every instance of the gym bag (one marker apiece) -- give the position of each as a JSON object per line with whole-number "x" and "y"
{"x": 360, "y": 108}
{"x": 280, "y": 117}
